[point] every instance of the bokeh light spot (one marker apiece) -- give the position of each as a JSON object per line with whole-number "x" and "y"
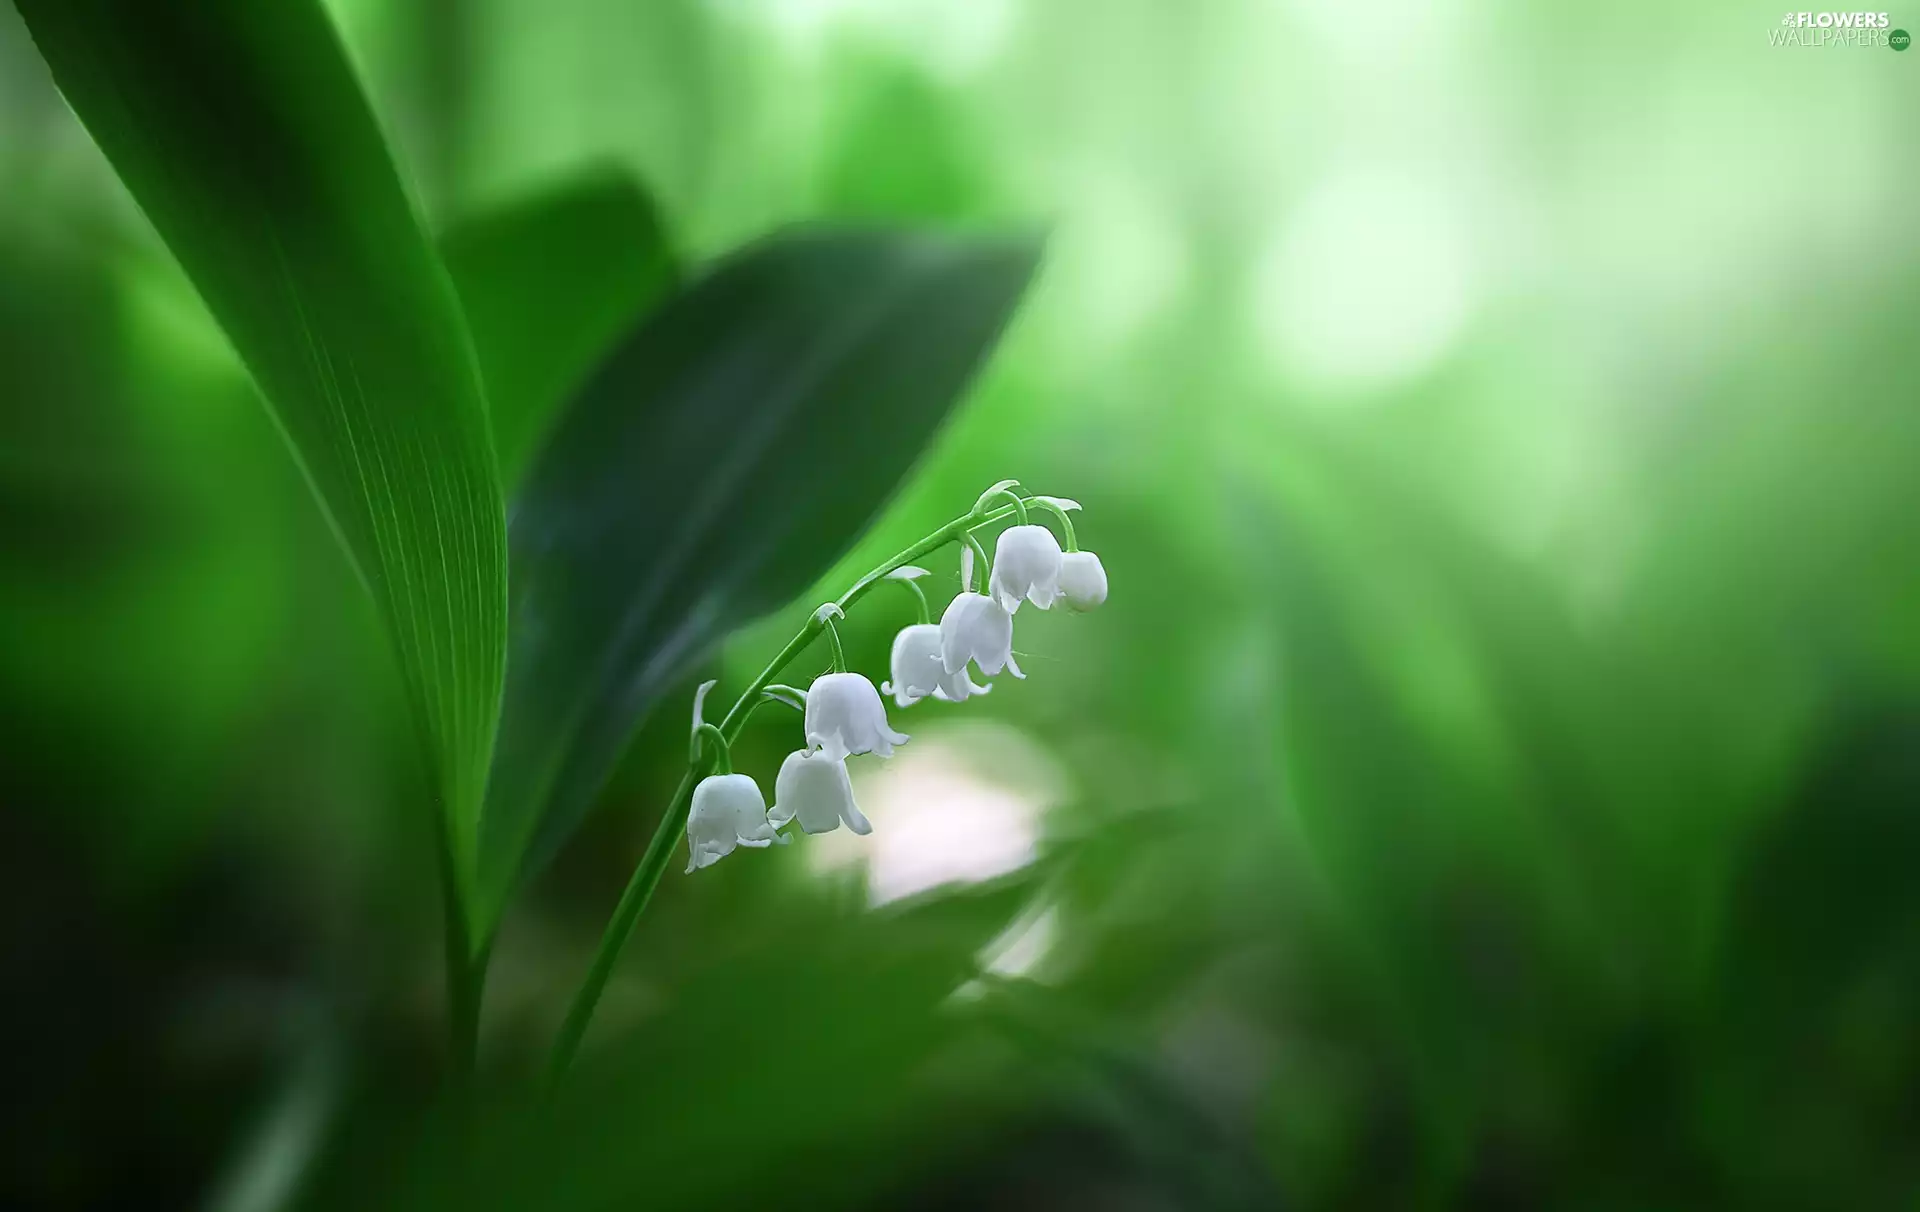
{"x": 1367, "y": 283}
{"x": 957, "y": 807}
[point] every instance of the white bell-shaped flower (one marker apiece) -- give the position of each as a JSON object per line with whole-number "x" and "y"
{"x": 1026, "y": 564}
{"x": 815, "y": 790}
{"x": 1083, "y": 581}
{"x": 918, "y": 670}
{"x": 974, "y": 628}
{"x": 845, "y": 716}
{"x": 728, "y": 811}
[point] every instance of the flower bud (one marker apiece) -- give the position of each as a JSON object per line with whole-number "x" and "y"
{"x": 1083, "y": 582}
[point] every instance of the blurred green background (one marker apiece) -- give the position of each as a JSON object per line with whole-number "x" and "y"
{"x": 1494, "y": 783}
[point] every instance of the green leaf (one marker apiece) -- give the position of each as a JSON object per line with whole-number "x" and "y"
{"x": 864, "y": 1012}
{"x": 549, "y": 283}
{"x": 713, "y": 468}
{"x": 242, "y": 133}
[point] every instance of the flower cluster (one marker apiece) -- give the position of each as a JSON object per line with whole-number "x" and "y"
{"x": 844, "y": 715}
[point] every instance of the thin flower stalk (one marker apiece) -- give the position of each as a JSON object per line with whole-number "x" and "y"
{"x": 666, "y": 835}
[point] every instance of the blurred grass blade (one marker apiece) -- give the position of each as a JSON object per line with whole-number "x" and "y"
{"x": 719, "y": 462}
{"x": 243, "y": 135}
{"x": 549, "y": 282}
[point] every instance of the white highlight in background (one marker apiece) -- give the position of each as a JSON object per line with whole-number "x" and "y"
{"x": 1019, "y": 951}
{"x": 955, "y": 805}
{"x": 1122, "y": 257}
{"x": 1368, "y": 283}
{"x": 954, "y": 38}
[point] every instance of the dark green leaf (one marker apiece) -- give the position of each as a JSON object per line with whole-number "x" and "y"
{"x": 242, "y": 133}
{"x": 719, "y": 462}
{"x": 549, "y": 283}
{"x": 838, "y": 1014}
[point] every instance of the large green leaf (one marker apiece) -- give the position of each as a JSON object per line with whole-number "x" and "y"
{"x": 549, "y": 283}
{"x": 716, "y": 465}
{"x": 243, "y": 135}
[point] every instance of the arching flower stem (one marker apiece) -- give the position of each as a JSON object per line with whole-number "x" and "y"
{"x": 1067, "y": 540}
{"x": 825, "y": 615}
{"x": 666, "y": 836}
{"x": 722, "y": 752}
{"x": 980, "y": 558}
{"x": 920, "y": 598}
{"x": 909, "y": 576}
{"x": 1004, "y": 489}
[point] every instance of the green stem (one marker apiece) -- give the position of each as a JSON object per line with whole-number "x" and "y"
{"x": 1067, "y": 539}
{"x": 736, "y": 717}
{"x": 933, "y": 542}
{"x": 833, "y": 643}
{"x": 980, "y": 557}
{"x": 792, "y": 696}
{"x": 466, "y": 973}
{"x": 920, "y": 596}
{"x": 666, "y": 835}
{"x": 1019, "y": 504}
{"x": 722, "y": 754}
{"x": 639, "y": 891}
{"x": 473, "y": 988}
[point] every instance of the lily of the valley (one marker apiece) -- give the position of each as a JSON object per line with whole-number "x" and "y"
{"x": 1083, "y": 581}
{"x": 1026, "y": 564}
{"x": 814, "y": 789}
{"x": 975, "y": 628}
{"x": 728, "y": 811}
{"x": 845, "y": 716}
{"x": 919, "y": 671}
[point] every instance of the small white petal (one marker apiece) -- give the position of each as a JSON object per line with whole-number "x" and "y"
{"x": 829, "y": 745}
{"x": 1003, "y": 596}
{"x": 954, "y": 653}
{"x": 959, "y": 688}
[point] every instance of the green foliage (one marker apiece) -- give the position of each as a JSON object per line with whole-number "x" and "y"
{"x": 708, "y": 470}
{"x": 549, "y": 283}
{"x": 862, "y": 998}
{"x": 1488, "y": 786}
{"x": 241, "y": 132}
